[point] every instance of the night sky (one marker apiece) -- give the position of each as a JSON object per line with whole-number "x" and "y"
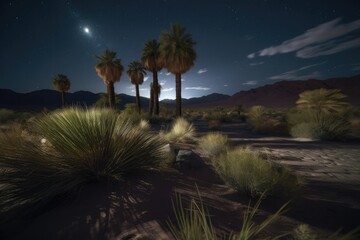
{"x": 240, "y": 44}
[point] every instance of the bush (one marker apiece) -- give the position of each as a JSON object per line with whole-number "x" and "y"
{"x": 324, "y": 126}
{"x": 195, "y": 222}
{"x": 245, "y": 170}
{"x": 81, "y": 146}
{"x": 214, "y": 144}
{"x": 303, "y": 232}
{"x": 6, "y": 115}
{"x": 181, "y": 131}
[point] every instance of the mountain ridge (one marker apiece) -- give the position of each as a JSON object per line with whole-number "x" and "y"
{"x": 279, "y": 94}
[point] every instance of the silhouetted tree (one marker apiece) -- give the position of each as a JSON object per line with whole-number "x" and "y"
{"x": 136, "y": 72}
{"x": 62, "y": 84}
{"x": 177, "y": 55}
{"x": 110, "y": 70}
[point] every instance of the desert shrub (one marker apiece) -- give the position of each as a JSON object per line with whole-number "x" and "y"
{"x": 6, "y": 115}
{"x": 181, "y": 131}
{"x": 144, "y": 125}
{"x": 81, "y": 146}
{"x": 303, "y": 232}
{"x": 194, "y": 222}
{"x": 249, "y": 173}
{"x": 306, "y": 130}
{"x": 268, "y": 121}
{"x": 214, "y": 144}
{"x": 257, "y": 117}
{"x": 355, "y": 127}
{"x": 324, "y": 126}
{"x": 214, "y": 124}
{"x": 166, "y": 112}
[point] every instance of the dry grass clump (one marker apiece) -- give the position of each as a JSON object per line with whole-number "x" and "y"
{"x": 214, "y": 144}
{"x": 181, "y": 131}
{"x": 249, "y": 173}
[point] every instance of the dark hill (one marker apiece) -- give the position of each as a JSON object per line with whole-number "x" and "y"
{"x": 285, "y": 93}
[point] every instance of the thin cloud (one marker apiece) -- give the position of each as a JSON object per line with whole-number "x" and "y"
{"x": 167, "y": 89}
{"x": 183, "y": 79}
{"x": 250, "y": 83}
{"x": 225, "y": 85}
{"x": 162, "y": 82}
{"x": 327, "y": 48}
{"x": 141, "y": 89}
{"x": 202, "y": 70}
{"x": 168, "y": 73}
{"x": 298, "y": 74}
{"x": 198, "y": 88}
{"x": 317, "y": 41}
{"x": 145, "y": 79}
{"x": 251, "y": 55}
{"x": 256, "y": 64}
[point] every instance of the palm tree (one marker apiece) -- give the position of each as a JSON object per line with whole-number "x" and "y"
{"x": 62, "y": 84}
{"x": 322, "y": 100}
{"x": 177, "y": 55}
{"x": 110, "y": 70}
{"x": 152, "y": 90}
{"x": 151, "y": 61}
{"x": 136, "y": 73}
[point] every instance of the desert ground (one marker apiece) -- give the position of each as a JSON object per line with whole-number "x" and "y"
{"x": 141, "y": 207}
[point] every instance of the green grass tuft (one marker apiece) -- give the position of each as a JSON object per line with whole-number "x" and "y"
{"x": 214, "y": 144}
{"x": 249, "y": 173}
{"x": 195, "y": 222}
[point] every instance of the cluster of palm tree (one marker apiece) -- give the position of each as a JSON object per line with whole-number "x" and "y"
{"x": 174, "y": 51}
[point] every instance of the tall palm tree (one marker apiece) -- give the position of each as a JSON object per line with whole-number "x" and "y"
{"x": 62, "y": 84}
{"x": 322, "y": 100}
{"x": 152, "y": 90}
{"x": 136, "y": 72}
{"x": 151, "y": 61}
{"x": 110, "y": 70}
{"x": 177, "y": 55}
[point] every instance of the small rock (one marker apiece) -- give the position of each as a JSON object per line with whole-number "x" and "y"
{"x": 188, "y": 159}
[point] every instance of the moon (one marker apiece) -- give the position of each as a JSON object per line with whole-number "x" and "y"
{"x": 86, "y": 30}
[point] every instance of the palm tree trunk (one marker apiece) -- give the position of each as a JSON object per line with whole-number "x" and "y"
{"x": 63, "y": 98}
{"x": 151, "y": 106}
{"x": 178, "y": 94}
{"x": 111, "y": 94}
{"x": 138, "y": 98}
{"x": 156, "y": 91}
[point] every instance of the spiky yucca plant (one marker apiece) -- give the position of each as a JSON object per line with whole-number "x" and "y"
{"x": 82, "y": 146}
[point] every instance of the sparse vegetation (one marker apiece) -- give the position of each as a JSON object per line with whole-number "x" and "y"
{"x": 249, "y": 173}
{"x": 214, "y": 144}
{"x": 195, "y": 222}
{"x": 320, "y": 115}
{"x": 181, "y": 131}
